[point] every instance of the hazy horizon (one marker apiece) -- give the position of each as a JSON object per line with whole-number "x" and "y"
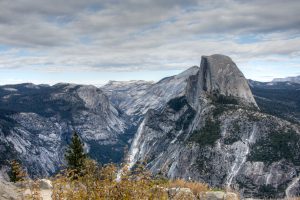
{"x": 92, "y": 42}
{"x": 107, "y": 81}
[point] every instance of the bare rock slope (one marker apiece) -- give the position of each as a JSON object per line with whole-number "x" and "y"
{"x": 213, "y": 131}
{"x": 37, "y": 121}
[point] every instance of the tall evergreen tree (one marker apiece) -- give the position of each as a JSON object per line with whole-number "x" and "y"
{"x": 16, "y": 172}
{"x": 75, "y": 155}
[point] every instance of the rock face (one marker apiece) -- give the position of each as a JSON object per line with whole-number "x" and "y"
{"x": 213, "y": 132}
{"x": 220, "y": 74}
{"x": 187, "y": 194}
{"x": 135, "y": 98}
{"x": 8, "y": 191}
{"x": 37, "y": 121}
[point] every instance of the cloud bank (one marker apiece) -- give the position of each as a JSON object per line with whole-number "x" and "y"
{"x": 139, "y": 35}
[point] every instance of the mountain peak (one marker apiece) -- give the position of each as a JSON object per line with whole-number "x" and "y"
{"x": 188, "y": 72}
{"x": 218, "y": 73}
{"x": 218, "y": 57}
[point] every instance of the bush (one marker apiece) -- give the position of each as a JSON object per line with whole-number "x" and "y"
{"x": 219, "y": 110}
{"x": 196, "y": 187}
{"x": 100, "y": 183}
{"x": 16, "y": 173}
{"x": 222, "y": 99}
{"x": 177, "y": 103}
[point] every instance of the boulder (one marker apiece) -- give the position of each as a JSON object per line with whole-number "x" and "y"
{"x": 180, "y": 193}
{"x": 218, "y": 195}
{"x": 214, "y": 195}
{"x": 45, "y": 184}
{"x": 8, "y": 191}
{"x": 231, "y": 196}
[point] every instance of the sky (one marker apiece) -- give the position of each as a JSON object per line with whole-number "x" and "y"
{"x": 94, "y": 41}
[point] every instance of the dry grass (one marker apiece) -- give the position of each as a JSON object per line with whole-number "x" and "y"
{"x": 232, "y": 190}
{"x": 99, "y": 183}
{"x": 196, "y": 187}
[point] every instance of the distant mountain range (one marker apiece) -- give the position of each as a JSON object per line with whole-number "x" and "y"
{"x": 37, "y": 121}
{"x": 281, "y": 99}
{"x": 295, "y": 79}
{"x": 207, "y": 123}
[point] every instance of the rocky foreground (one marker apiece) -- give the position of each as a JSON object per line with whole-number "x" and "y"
{"x": 11, "y": 191}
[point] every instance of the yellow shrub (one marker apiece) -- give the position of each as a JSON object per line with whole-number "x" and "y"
{"x": 100, "y": 183}
{"x": 196, "y": 187}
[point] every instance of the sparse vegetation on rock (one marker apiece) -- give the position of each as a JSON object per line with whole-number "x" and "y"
{"x": 208, "y": 134}
{"x": 279, "y": 144}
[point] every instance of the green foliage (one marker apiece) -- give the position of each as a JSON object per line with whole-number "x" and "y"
{"x": 234, "y": 134}
{"x": 219, "y": 110}
{"x": 177, "y": 103}
{"x": 99, "y": 183}
{"x": 16, "y": 173}
{"x": 222, "y": 99}
{"x": 223, "y": 103}
{"x": 276, "y": 146}
{"x": 208, "y": 134}
{"x": 184, "y": 121}
{"x": 253, "y": 117}
{"x": 267, "y": 191}
{"x": 75, "y": 155}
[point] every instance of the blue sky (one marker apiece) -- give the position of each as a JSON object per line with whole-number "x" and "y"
{"x": 92, "y": 41}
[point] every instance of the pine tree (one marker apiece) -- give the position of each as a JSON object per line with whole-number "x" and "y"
{"x": 75, "y": 155}
{"x": 16, "y": 172}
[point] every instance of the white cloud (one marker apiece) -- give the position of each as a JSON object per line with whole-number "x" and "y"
{"x": 135, "y": 35}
